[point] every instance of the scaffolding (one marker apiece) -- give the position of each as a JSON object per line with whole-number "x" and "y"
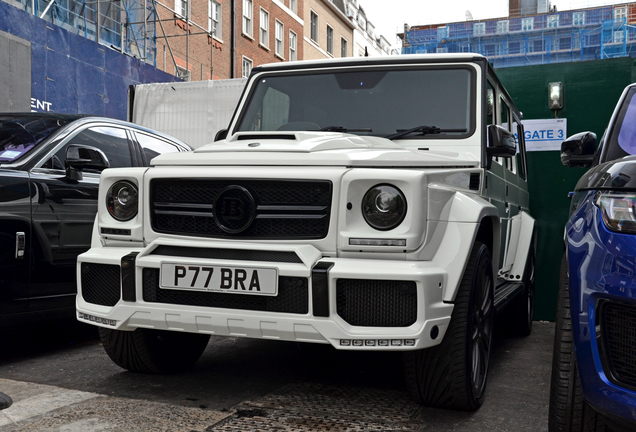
{"x": 128, "y": 26}
{"x": 553, "y": 38}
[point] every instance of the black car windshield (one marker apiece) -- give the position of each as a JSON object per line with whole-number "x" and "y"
{"x": 622, "y": 141}
{"x": 379, "y": 102}
{"x": 21, "y": 135}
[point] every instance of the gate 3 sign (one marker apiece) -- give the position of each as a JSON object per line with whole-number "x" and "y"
{"x": 544, "y": 135}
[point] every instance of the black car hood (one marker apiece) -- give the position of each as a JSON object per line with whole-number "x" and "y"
{"x": 616, "y": 174}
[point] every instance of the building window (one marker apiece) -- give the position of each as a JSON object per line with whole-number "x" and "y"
{"x": 343, "y": 48}
{"x": 620, "y": 14}
{"x": 330, "y": 40}
{"x": 214, "y": 18}
{"x": 292, "y": 46}
{"x": 314, "y": 26}
{"x": 578, "y": 19}
{"x": 527, "y": 24}
{"x": 278, "y": 49}
{"x": 553, "y": 21}
{"x": 479, "y": 29}
{"x": 247, "y": 67}
{"x": 293, "y": 5}
{"x": 618, "y": 36}
{"x": 181, "y": 7}
{"x": 247, "y": 17}
{"x": 502, "y": 26}
{"x": 442, "y": 32}
{"x": 264, "y": 28}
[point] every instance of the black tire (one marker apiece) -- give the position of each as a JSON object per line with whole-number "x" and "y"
{"x": 453, "y": 374}
{"x": 153, "y": 351}
{"x": 566, "y": 396}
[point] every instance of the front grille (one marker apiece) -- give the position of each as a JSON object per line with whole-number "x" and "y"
{"x": 249, "y": 209}
{"x": 293, "y": 296}
{"x": 101, "y": 284}
{"x": 618, "y": 341}
{"x": 228, "y": 254}
{"x": 377, "y": 303}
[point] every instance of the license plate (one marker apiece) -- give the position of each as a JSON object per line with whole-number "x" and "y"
{"x": 237, "y": 280}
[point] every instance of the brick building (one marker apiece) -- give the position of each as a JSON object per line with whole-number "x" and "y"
{"x": 329, "y": 31}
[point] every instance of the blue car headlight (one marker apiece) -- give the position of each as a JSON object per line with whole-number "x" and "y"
{"x": 618, "y": 211}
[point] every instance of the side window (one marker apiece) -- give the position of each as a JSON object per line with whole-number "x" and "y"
{"x": 521, "y": 148}
{"x": 504, "y": 121}
{"x": 111, "y": 140}
{"x": 154, "y": 146}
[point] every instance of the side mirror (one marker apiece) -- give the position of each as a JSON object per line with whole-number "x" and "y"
{"x": 501, "y": 142}
{"x": 80, "y": 157}
{"x": 578, "y": 150}
{"x": 220, "y": 135}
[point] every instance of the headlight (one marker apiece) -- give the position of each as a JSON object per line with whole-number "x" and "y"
{"x": 618, "y": 211}
{"x": 122, "y": 201}
{"x": 384, "y": 207}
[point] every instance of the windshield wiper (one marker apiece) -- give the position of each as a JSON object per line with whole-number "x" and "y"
{"x": 339, "y": 129}
{"x": 424, "y": 130}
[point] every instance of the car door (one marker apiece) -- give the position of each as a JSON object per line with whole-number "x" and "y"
{"x": 64, "y": 212}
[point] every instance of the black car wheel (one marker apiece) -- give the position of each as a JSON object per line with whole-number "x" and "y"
{"x": 153, "y": 351}
{"x": 454, "y": 373}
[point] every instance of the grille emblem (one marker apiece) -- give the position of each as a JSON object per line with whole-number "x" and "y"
{"x": 234, "y": 209}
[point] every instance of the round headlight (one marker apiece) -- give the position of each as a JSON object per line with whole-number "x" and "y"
{"x": 384, "y": 207}
{"x": 122, "y": 201}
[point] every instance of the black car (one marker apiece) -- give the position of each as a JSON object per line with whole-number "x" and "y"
{"x": 50, "y": 166}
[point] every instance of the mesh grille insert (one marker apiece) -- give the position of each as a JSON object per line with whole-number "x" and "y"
{"x": 618, "y": 333}
{"x": 293, "y": 296}
{"x": 227, "y": 254}
{"x": 101, "y": 284}
{"x": 377, "y": 303}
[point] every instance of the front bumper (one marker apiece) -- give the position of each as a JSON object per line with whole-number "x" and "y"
{"x": 367, "y": 304}
{"x": 602, "y": 269}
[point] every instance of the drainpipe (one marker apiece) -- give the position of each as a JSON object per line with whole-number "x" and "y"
{"x": 233, "y": 41}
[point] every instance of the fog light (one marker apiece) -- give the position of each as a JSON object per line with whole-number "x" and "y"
{"x": 377, "y": 242}
{"x": 345, "y": 342}
{"x": 409, "y": 342}
{"x": 396, "y": 342}
{"x": 357, "y": 342}
{"x": 383, "y": 342}
{"x": 369, "y": 343}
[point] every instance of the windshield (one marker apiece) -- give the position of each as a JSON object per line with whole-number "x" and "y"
{"x": 20, "y": 135}
{"x": 379, "y": 102}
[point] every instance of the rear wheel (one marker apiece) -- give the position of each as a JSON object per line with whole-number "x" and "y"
{"x": 454, "y": 373}
{"x": 153, "y": 351}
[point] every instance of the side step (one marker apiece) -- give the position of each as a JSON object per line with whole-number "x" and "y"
{"x": 505, "y": 293}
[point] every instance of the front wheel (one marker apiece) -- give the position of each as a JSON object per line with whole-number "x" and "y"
{"x": 153, "y": 351}
{"x": 453, "y": 374}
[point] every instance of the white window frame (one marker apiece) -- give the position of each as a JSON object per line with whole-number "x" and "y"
{"x": 344, "y": 47}
{"x": 215, "y": 13}
{"x": 503, "y": 26}
{"x": 578, "y": 19}
{"x": 527, "y": 24}
{"x": 618, "y": 36}
{"x": 248, "y": 17}
{"x": 248, "y": 64}
{"x": 293, "y": 41}
{"x": 553, "y": 21}
{"x": 620, "y": 13}
{"x": 263, "y": 26}
{"x": 329, "y": 40}
{"x": 293, "y": 6}
{"x": 181, "y": 8}
{"x": 279, "y": 44}
{"x": 313, "y": 26}
{"x": 479, "y": 29}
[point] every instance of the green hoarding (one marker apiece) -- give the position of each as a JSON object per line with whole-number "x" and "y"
{"x": 591, "y": 90}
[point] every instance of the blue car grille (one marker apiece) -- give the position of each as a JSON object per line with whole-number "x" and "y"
{"x": 618, "y": 341}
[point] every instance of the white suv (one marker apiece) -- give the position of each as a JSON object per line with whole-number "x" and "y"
{"x": 368, "y": 203}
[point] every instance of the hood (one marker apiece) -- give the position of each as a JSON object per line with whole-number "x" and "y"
{"x": 317, "y": 149}
{"x": 616, "y": 174}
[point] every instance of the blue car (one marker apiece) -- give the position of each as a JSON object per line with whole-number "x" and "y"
{"x": 593, "y": 384}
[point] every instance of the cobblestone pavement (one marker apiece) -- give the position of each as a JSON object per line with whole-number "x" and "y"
{"x": 314, "y": 389}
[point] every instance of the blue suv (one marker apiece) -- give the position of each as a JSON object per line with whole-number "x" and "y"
{"x": 593, "y": 384}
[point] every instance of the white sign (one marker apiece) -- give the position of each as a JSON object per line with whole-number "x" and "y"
{"x": 544, "y": 135}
